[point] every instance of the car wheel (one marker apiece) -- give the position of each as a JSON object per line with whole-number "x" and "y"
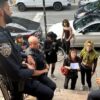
{"x": 57, "y": 6}
{"x": 21, "y": 7}
{"x": 69, "y": 6}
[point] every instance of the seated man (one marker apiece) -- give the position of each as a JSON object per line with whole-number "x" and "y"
{"x": 33, "y": 50}
{"x": 95, "y": 95}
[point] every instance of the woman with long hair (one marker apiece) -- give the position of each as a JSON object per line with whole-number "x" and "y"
{"x": 89, "y": 58}
{"x": 69, "y": 62}
{"x": 67, "y": 35}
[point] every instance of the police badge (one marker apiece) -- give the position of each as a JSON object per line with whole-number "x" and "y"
{"x": 5, "y": 49}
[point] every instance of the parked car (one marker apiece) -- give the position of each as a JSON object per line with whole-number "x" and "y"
{"x": 56, "y": 4}
{"x": 92, "y": 7}
{"x": 84, "y": 2}
{"x": 24, "y": 27}
{"x": 85, "y": 28}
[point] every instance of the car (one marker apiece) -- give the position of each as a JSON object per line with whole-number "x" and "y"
{"x": 56, "y": 4}
{"x": 84, "y": 2}
{"x": 83, "y": 29}
{"x": 24, "y": 27}
{"x": 83, "y": 21}
{"x": 92, "y": 7}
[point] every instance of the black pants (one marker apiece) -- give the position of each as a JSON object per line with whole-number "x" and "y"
{"x": 86, "y": 72}
{"x": 43, "y": 89}
{"x": 47, "y": 81}
{"x": 73, "y": 82}
{"x": 94, "y": 95}
{"x": 14, "y": 92}
{"x": 66, "y": 46}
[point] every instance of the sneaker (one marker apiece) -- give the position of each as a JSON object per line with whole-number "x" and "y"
{"x": 53, "y": 76}
{"x": 82, "y": 87}
{"x": 90, "y": 89}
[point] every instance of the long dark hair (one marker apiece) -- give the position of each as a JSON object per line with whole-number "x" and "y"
{"x": 69, "y": 55}
{"x": 66, "y": 21}
{"x": 52, "y": 35}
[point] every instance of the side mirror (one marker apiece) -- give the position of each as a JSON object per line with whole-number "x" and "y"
{"x": 83, "y": 31}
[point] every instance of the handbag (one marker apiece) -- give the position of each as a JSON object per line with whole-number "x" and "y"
{"x": 64, "y": 71}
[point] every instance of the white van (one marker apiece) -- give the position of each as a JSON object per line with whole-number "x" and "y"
{"x": 56, "y": 4}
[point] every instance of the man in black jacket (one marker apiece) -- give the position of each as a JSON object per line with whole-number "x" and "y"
{"x": 11, "y": 63}
{"x": 41, "y": 64}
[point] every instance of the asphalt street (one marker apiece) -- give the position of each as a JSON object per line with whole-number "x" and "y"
{"x": 53, "y": 17}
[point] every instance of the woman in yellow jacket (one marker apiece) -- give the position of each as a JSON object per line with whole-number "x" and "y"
{"x": 89, "y": 58}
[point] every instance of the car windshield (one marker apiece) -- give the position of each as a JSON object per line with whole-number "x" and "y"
{"x": 16, "y": 28}
{"x": 91, "y": 6}
{"x": 78, "y": 24}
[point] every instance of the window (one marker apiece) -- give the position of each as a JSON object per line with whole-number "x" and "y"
{"x": 91, "y": 6}
{"x": 15, "y": 30}
{"x": 93, "y": 28}
{"x": 84, "y": 21}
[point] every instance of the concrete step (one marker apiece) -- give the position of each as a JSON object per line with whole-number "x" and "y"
{"x": 62, "y": 94}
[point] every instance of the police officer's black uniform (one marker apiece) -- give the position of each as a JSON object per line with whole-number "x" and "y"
{"x": 10, "y": 59}
{"x": 11, "y": 67}
{"x": 40, "y": 65}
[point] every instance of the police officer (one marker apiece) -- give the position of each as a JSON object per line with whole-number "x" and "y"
{"x": 11, "y": 63}
{"x": 95, "y": 95}
{"x": 33, "y": 49}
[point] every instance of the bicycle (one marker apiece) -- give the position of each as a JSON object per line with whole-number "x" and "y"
{"x": 4, "y": 91}
{"x": 61, "y": 55}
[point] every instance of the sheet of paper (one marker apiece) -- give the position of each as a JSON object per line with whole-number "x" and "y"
{"x": 74, "y": 65}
